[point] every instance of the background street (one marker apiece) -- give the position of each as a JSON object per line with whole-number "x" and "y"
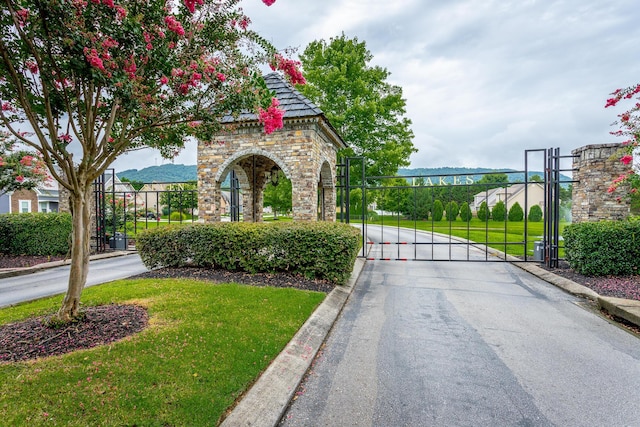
{"x": 54, "y": 281}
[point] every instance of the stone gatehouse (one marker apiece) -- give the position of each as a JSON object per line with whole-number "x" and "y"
{"x": 305, "y": 150}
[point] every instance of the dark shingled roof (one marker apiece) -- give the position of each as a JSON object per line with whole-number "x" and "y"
{"x": 294, "y": 104}
{"x": 291, "y": 101}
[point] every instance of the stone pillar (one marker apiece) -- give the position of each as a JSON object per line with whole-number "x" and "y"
{"x": 595, "y": 168}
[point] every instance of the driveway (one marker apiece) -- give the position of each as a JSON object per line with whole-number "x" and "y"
{"x": 468, "y": 344}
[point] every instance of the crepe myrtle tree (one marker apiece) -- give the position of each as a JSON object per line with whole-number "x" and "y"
{"x": 629, "y": 128}
{"x": 19, "y": 169}
{"x": 83, "y": 81}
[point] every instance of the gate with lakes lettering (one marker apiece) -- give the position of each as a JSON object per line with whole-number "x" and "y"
{"x": 505, "y": 215}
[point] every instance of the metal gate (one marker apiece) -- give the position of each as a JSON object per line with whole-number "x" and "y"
{"x": 488, "y": 216}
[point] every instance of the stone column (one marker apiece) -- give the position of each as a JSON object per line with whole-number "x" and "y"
{"x": 595, "y": 168}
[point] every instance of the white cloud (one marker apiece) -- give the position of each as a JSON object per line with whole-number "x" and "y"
{"x": 483, "y": 80}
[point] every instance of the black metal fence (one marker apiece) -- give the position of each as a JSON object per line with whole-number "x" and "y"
{"x": 122, "y": 211}
{"x": 454, "y": 217}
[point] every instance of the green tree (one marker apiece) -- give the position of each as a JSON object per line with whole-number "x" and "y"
{"x": 465, "y": 212}
{"x": 278, "y": 197}
{"x": 437, "y": 211}
{"x": 493, "y": 180}
{"x": 516, "y": 213}
{"x": 82, "y": 82}
{"x": 395, "y": 196}
{"x": 368, "y": 112}
{"x": 535, "y": 178}
{"x": 498, "y": 213}
{"x": 180, "y": 197}
{"x": 452, "y": 210}
{"x": 483, "y": 212}
{"x": 137, "y": 185}
{"x": 535, "y": 214}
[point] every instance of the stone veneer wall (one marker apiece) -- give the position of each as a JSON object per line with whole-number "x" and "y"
{"x": 595, "y": 167}
{"x": 302, "y": 150}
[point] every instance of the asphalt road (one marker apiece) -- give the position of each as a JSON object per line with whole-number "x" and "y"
{"x": 468, "y": 344}
{"x": 55, "y": 280}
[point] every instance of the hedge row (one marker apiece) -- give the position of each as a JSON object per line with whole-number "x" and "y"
{"x": 315, "y": 250}
{"x": 35, "y": 233}
{"x": 603, "y": 248}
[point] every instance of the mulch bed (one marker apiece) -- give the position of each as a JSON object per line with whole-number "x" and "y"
{"x": 32, "y": 338}
{"x": 627, "y": 287}
{"x": 99, "y": 325}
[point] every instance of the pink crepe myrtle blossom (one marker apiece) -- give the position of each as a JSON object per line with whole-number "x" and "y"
{"x": 271, "y": 118}
{"x": 26, "y": 161}
{"x": 268, "y": 2}
{"x": 173, "y": 25}
{"x": 289, "y": 67}
{"x": 221, "y": 77}
{"x": 191, "y": 4}
{"x": 32, "y": 66}
{"x": 626, "y": 159}
{"x": 65, "y": 137}
{"x": 23, "y": 17}
{"x": 93, "y": 58}
{"x": 2, "y": 162}
{"x": 20, "y": 178}
{"x": 121, "y": 13}
{"x": 164, "y": 80}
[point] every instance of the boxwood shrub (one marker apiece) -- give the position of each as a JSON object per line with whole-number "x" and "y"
{"x": 35, "y": 233}
{"x": 603, "y": 248}
{"x": 324, "y": 250}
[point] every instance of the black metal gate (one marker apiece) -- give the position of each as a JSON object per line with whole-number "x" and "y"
{"x": 451, "y": 217}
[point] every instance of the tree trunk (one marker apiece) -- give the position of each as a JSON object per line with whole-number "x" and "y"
{"x": 80, "y": 251}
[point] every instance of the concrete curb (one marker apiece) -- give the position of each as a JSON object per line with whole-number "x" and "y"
{"x": 13, "y": 272}
{"x": 626, "y": 309}
{"x": 266, "y": 401}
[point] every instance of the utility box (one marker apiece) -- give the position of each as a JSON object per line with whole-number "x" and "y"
{"x": 119, "y": 241}
{"x": 538, "y": 251}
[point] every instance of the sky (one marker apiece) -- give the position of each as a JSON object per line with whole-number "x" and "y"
{"x": 483, "y": 80}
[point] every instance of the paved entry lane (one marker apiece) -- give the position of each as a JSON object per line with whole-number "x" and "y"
{"x": 469, "y": 344}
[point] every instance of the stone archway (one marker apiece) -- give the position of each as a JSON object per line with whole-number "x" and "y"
{"x": 326, "y": 193}
{"x": 305, "y": 149}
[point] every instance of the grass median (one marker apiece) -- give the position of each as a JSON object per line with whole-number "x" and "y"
{"x": 204, "y": 346}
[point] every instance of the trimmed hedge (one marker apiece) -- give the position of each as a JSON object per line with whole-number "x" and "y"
{"x": 603, "y": 248}
{"x": 324, "y": 250}
{"x": 35, "y": 233}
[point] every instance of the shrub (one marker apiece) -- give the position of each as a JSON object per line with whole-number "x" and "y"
{"x": 177, "y": 216}
{"x": 535, "y": 214}
{"x": 452, "y": 211}
{"x": 437, "y": 210}
{"x": 35, "y": 233}
{"x": 483, "y": 212}
{"x": 498, "y": 212}
{"x": 516, "y": 213}
{"x": 603, "y": 248}
{"x": 324, "y": 250}
{"x": 465, "y": 212}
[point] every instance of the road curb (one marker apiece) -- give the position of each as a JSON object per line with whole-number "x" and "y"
{"x": 266, "y": 401}
{"x": 626, "y": 309}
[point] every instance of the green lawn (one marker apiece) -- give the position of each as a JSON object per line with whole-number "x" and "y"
{"x": 205, "y": 345}
{"x": 491, "y": 233}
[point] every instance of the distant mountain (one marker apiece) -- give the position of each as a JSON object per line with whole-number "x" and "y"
{"x": 184, "y": 173}
{"x": 163, "y": 173}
